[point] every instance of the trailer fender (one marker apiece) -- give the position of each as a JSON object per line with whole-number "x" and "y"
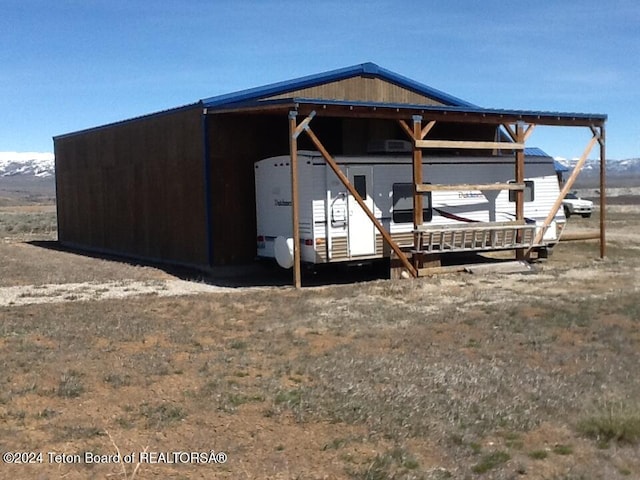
{"x": 283, "y": 250}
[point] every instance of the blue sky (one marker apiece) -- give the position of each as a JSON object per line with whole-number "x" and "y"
{"x": 66, "y": 65}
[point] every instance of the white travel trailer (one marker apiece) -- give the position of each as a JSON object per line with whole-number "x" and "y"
{"x": 334, "y": 228}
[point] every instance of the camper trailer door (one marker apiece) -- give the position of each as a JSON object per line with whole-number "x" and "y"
{"x": 362, "y": 239}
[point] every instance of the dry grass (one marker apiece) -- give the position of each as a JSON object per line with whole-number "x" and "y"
{"x": 612, "y": 423}
{"x": 28, "y": 223}
{"x": 451, "y": 377}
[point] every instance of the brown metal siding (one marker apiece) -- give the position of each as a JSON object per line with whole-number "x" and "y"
{"x": 236, "y": 142}
{"x": 361, "y": 89}
{"x": 135, "y": 188}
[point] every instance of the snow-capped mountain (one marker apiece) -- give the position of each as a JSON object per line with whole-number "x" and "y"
{"x": 42, "y": 165}
{"x": 26, "y": 163}
{"x": 629, "y": 166}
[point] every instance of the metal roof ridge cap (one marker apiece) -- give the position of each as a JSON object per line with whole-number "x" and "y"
{"x": 285, "y": 86}
{"x": 366, "y": 69}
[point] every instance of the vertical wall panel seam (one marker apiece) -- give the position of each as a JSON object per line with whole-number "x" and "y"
{"x": 207, "y": 186}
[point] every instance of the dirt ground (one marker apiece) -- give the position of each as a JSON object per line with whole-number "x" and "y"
{"x": 117, "y": 370}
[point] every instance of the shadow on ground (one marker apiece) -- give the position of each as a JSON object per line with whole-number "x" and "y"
{"x": 265, "y": 272}
{"x": 254, "y": 274}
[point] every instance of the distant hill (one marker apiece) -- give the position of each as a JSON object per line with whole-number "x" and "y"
{"x": 615, "y": 167}
{"x": 620, "y": 173}
{"x": 26, "y": 178}
{"x": 29, "y": 164}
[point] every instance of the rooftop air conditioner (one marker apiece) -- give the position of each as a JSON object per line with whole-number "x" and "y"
{"x": 389, "y": 146}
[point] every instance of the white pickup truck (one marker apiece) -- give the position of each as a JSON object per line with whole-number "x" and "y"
{"x": 574, "y": 205}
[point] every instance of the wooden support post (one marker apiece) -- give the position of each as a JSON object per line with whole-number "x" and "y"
{"x": 295, "y": 210}
{"x": 567, "y": 186}
{"x": 417, "y": 180}
{"x": 519, "y": 176}
{"x": 603, "y": 195}
{"x": 345, "y": 181}
{"x": 417, "y": 172}
{"x": 411, "y": 134}
{"x": 513, "y": 134}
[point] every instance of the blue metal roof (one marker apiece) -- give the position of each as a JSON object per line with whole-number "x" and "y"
{"x": 535, "y": 152}
{"x": 560, "y": 167}
{"x": 538, "y": 152}
{"x": 364, "y": 69}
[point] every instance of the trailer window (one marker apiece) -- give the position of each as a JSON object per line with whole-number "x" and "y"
{"x": 529, "y": 193}
{"x": 360, "y": 184}
{"x": 403, "y": 204}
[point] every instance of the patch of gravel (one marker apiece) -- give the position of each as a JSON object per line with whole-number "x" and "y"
{"x": 91, "y": 291}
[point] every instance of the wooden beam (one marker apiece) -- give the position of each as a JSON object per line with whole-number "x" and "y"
{"x": 603, "y": 194}
{"x": 345, "y": 181}
{"x": 411, "y": 133}
{"x": 406, "y": 129}
{"x": 445, "y": 115}
{"x": 417, "y": 173}
{"x": 586, "y": 235}
{"x": 398, "y": 113}
{"x": 567, "y": 186}
{"x": 468, "y": 144}
{"x": 427, "y": 128}
{"x": 528, "y": 132}
{"x": 304, "y": 124}
{"x": 425, "y": 272}
{"x": 510, "y": 131}
{"x": 295, "y": 210}
{"x": 519, "y": 176}
{"x": 417, "y": 196}
{"x": 428, "y": 187}
{"x": 517, "y": 136}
